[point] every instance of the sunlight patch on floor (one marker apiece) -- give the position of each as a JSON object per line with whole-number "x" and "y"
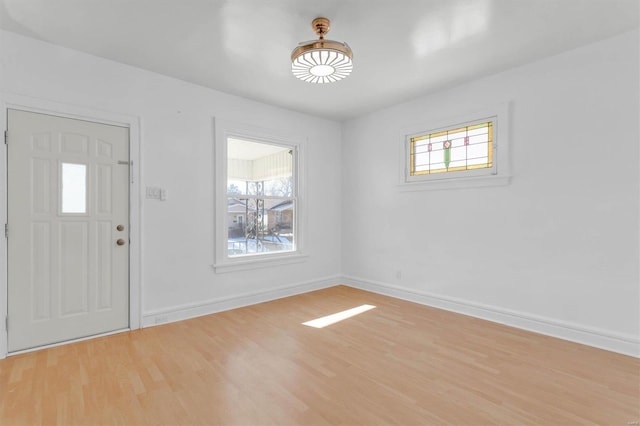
{"x": 337, "y": 317}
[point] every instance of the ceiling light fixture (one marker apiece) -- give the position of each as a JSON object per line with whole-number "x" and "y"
{"x": 321, "y": 61}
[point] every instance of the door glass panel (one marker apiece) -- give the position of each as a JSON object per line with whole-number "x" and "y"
{"x": 74, "y": 188}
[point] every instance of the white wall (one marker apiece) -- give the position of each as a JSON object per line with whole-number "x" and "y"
{"x": 177, "y": 153}
{"x": 557, "y": 249}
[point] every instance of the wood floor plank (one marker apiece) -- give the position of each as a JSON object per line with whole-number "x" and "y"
{"x": 399, "y": 363}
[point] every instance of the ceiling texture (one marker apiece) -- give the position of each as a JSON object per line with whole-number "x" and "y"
{"x": 402, "y": 48}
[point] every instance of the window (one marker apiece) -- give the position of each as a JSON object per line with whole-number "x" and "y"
{"x": 464, "y": 148}
{"x": 74, "y": 188}
{"x": 458, "y": 154}
{"x": 260, "y": 197}
{"x": 258, "y": 203}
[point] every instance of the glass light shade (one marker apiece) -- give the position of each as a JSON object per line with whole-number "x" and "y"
{"x": 322, "y": 62}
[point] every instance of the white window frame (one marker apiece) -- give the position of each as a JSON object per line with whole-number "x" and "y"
{"x": 222, "y": 261}
{"x": 498, "y": 174}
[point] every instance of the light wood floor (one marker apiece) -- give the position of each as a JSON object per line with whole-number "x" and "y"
{"x": 400, "y": 363}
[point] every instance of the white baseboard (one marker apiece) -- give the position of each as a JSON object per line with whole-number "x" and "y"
{"x": 192, "y": 310}
{"x": 603, "y": 339}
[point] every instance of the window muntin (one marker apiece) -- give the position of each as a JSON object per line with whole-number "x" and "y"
{"x": 261, "y": 198}
{"x": 457, "y": 149}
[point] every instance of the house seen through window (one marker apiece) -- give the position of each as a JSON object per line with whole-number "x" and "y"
{"x": 261, "y": 198}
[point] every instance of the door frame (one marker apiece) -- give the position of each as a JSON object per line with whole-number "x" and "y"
{"x": 25, "y": 103}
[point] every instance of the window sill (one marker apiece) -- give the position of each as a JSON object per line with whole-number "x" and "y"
{"x": 456, "y": 183}
{"x": 257, "y": 262}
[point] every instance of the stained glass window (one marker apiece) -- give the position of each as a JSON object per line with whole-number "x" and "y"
{"x": 462, "y": 148}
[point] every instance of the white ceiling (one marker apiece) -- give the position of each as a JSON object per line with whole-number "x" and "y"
{"x": 402, "y": 48}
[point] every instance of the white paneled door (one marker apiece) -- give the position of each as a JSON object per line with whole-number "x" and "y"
{"x": 68, "y": 229}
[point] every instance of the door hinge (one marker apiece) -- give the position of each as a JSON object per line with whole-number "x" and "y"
{"x": 6, "y": 230}
{"x": 6, "y": 323}
{"x": 6, "y": 136}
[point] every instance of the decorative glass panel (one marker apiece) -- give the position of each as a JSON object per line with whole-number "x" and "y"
{"x": 459, "y": 149}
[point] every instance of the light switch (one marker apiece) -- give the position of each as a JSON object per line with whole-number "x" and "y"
{"x": 154, "y": 193}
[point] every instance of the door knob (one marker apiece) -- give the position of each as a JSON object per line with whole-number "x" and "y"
{"x": 120, "y": 228}
{"x": 120, "y": 242}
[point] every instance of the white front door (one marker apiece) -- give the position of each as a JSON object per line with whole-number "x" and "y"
{"x": 68, "y": 229}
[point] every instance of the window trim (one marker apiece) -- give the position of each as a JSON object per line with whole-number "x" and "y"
{"x": 222, "y": 261}
{"x": 498, "y": 174}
